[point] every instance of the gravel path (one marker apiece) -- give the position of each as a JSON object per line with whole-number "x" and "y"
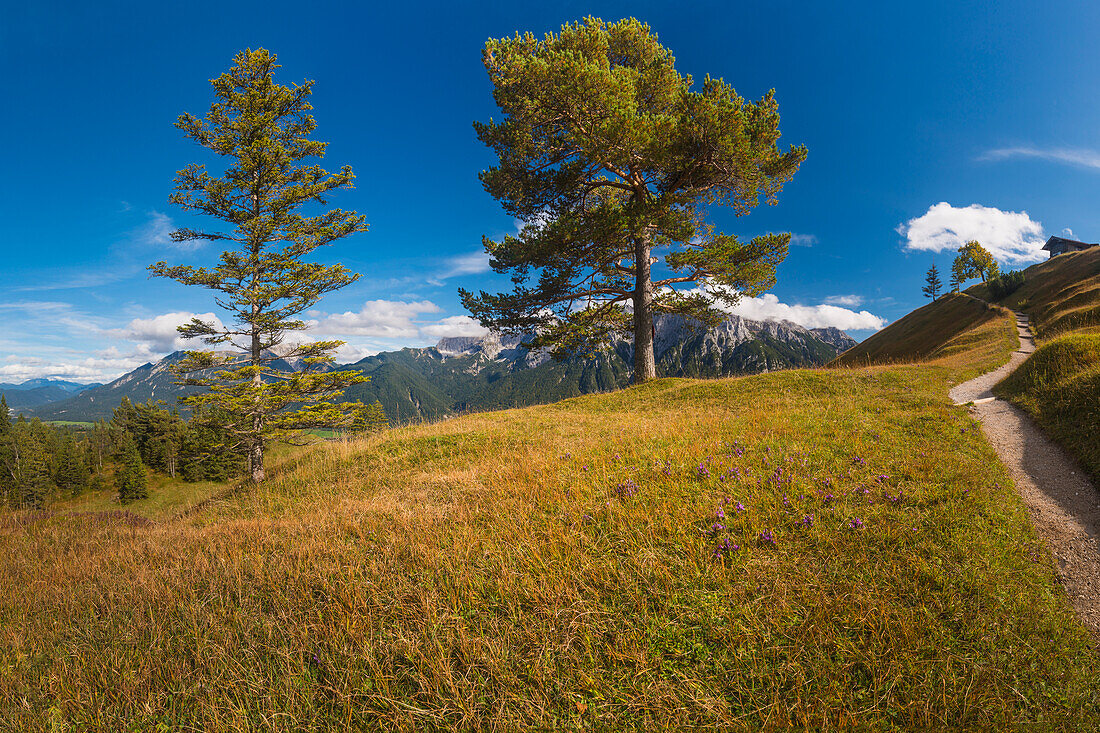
{"x": 979, "y": 387}
{"x": 1064, "y": 505}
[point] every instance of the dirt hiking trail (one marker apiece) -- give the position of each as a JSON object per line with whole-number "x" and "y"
{"x": 1064, "y": 505}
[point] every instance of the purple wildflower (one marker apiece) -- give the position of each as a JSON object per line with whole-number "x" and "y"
{"x": 626, "y": 489}
{"x": 856, "y": 524}
{"x": 808, "y": 520}
{"x": 725, "y": 547}
{"x": 739, "y": 507}
{"x": 767, "y": 536}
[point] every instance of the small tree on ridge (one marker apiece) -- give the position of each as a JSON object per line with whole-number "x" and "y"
{"x": 974, "y": 260}
{"x": 933, "y": 284}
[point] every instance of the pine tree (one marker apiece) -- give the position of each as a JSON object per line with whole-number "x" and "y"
{"x": 610, "y": 157}
{"x": 932, "y": 288}
{"x": 28, "y": 466}
{"x": 371, "y": 419}
{"x": 263, "y": 129}
{"x": 71, "y": 474}
{"x": 956, "y": 280}
{"x": 7, "y": 454}
{"x": 130, "y": 478}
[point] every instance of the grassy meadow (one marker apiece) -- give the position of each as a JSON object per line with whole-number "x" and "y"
{"x": 821, "y": 549}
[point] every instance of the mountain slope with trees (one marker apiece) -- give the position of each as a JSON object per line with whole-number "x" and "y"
{"x": 461, "y": 374}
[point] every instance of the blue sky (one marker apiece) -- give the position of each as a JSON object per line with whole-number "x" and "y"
{"x": 926, "y": 123}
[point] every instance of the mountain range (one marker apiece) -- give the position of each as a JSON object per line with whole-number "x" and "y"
{"x": 35, "y": 392}
{"x": 493, "y": 372}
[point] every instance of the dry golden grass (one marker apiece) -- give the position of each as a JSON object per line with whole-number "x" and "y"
{"x": 960, "y": 334}
{"x": 555, "y": 566}
{"x": 1062, "y": 294}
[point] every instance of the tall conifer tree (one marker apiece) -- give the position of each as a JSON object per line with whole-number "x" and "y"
{"x": 611, "y": 157}
{"x": 130, "y": 478}
{"x": 263, "y": 130}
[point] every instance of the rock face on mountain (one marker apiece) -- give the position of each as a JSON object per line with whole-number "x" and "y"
{"x": 834, "y": 337}
{"x": 494, "y": 371}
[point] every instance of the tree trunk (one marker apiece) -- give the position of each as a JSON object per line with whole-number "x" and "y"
{"x": 645, "y": 367}
{"x": 256, "y": 456}
{"x": 256, "y": 445}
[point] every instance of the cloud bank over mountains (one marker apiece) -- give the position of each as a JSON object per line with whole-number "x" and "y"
{"x": 379, "y": 325}
{"x": 768, "y": 307}
{"x": 1012, "y": 237}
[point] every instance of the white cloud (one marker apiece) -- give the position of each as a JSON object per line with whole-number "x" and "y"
{"x": 86, "y": 370}
{"x": 846, "y": 300}
{"x": 377, "y": 319}
{"x": 158, "y": 230}
{"x": 453, "y": 326}
{"x": 349, "y": 353}
{"x": 1068, "y": 233}
{"x": 158, "y": 335}
{"x": 471, "y": 263}
{"x": 768, "y": 308}
{"x": 1011, "y": 237}
{"x": 803, "y": 240}
{"x": 467, "y": 264}
{"x": 1073, "y": 156}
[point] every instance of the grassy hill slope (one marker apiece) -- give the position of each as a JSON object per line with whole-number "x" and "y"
{"x": 1062, "y": 295}
{"x": 963, "y": 335}
{"x": 823, "y": 549}
{"x": 1060, "y": 384}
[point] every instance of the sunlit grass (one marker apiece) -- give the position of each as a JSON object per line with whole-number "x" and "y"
{"x": 559, "y": 566}
{"x": 958, "y": 334}
{"x": 1060, "y": 386}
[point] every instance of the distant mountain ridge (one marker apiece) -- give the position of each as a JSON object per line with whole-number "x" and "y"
{"x": 493, "y": 372}
{"x": 34, "y": 392}
{"x": 148, "y": 382}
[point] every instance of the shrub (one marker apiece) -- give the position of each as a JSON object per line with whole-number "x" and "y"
{"x": 1005, "y": 284}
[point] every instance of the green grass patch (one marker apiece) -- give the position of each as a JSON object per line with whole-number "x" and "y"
{"x": 1060, "y": 387}
{"x": 167, "y": 497}
{"x": 561, "y": 567}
